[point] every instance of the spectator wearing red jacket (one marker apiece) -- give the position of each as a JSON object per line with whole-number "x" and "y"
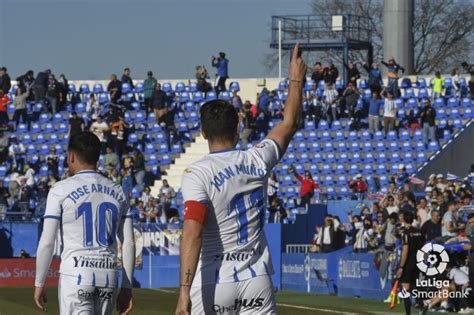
{"x": 308, "y": 186}
{"x": 358, "y": 187}
{"x": 4, "y": 100}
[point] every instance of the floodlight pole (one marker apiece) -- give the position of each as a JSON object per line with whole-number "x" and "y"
{"x": 279, "y": 50}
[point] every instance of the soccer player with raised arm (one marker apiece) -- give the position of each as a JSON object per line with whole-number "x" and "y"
{"x": 225, "y": 261}
{"x": 89, "y": 212}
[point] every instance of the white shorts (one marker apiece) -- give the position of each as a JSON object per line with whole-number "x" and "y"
{"x": 84, "y": 300}
{"x": 252, "y": 296}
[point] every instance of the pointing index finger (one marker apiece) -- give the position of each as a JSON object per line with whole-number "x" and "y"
{"x": 296, "y": 51}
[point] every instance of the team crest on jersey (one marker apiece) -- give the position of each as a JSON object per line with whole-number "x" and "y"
{"x": 261, "y": 145}
{"x": 188, "y": 170}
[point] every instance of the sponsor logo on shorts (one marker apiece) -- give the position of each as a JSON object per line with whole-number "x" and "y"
{"x": 101, "y": 294}
{"x": 92, "y": 262}
{"x": 239, "y": 255}
{"x": 239, "y": 304}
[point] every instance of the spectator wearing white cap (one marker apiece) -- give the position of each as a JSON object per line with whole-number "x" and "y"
{"x": 440, "y": 183}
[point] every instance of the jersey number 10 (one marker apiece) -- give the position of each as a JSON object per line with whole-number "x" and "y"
{"x": 105, "y": 223}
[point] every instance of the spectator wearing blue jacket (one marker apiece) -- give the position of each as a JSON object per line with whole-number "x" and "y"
{"x": 374, "y": 109}
{"x": 375, "y": 78}
{"x": 221, "y": 63}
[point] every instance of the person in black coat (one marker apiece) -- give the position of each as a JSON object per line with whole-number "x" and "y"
{"x": 5, "y": 81}
{"x": 40, "y": 85}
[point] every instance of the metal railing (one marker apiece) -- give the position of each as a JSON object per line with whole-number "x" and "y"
{"x": 305, "y": 28}
{"x": 298, "y": 248}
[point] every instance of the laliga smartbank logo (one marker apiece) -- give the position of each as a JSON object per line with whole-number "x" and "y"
{"x": 432, "y": 260}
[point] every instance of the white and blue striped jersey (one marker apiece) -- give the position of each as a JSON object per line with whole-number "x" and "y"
{"x": 91, "y": 209}
{"x": 233, "y": 184}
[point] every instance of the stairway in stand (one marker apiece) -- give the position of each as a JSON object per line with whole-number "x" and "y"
{"x": 196, "y": 151}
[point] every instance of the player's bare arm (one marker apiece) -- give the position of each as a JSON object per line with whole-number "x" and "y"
{"x": 43, "y": 260}
{"x": 283, "y": 132}
{"x": 189, "y": 255}
{"x": 125, "y": 298}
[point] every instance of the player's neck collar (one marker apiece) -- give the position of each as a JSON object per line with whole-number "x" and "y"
{"x": 86, "y": 172}
{"x": 222, "y": 151}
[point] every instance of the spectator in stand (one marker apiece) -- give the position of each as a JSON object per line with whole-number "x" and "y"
{"x": 318, "y": 73}
{"x": 40, "y": 85}
{"x": 330, "y": 73}
{"x": 375, "y": 81}
{"x": 4, "y": 101}
{"x": 159, "y": 102}
{"x": 76, "y": 125}
{"x": 428, "y": 122}
{"x": 308, "y": 186}
{"x": 111, "y": 160}
{"x": 52, "y": 94}
{"x": 30, "y": 175}
{"x": 4, "y": 143}
{"x": 358, "y": 187}
{"x": 93, "y": 108}
{"x": 440, "y": 183}
{"x": 272, "y": 188}
{"x": 112, "y": 114}
{"x": 471, "y": 87}
{"x": 389, "y": 204}
{"x": 167, "y": 124}
{"x": 393, "y": 68}
{"x": 201, "y": 77}
{"x": 350, "y": 96}
{"x": 277, "y": 211}
{"x": 146, "y": 195}
{"x": 221, "y": 63}
{"x": 248, "y": 121}
{"x": 4, "y": 195}
{"x": 26, "y": 82}
{"x": 100, "y": 129}
{"x": 150, "y": 211}
{"x": 126, "y": 78}
{"x": 402, "y": 176}
{"x": 422, "y": 211}
{"x": 138, "y": 162}
{"x": 115, "y": 89}
{"x": 20, "y": 107}
{"x": 374, "y": 112}
{"x": 449, "y": 228}
{"x": 364, "y": 237}
{"x": 389, "y": 111}
{"x": 126, "y": 181}
{"x": 330, "y": 101}
{"x": 326, "y": 240}
{"x": 456, "y": 81}
{"x": 121, "y": 127}
{"x": 17, "y": 153}
{"x": 352, "y": 72}
{"x": 63, "y": 86}
{"x": 236, "y": 101}
{"x": 438, "y": 86}
{"x": 5, "y": 81}
{"x": 166, "y": 196}
{"x": 431, "y": 229}
{"x": 390, "y": 232}
{"x": 149, "y": 86}
{"x": 52, "y": 161}
{"x": 25, "y": 194}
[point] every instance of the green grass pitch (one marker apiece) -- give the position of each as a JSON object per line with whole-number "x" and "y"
{"x": 18, "y": 301}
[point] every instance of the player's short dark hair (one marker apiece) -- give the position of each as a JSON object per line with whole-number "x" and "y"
{"x": 86, "y": 146}
{"x": 408, "y": 217}
{"x": 219, "y": 120}
{"x": 470, "y": 216}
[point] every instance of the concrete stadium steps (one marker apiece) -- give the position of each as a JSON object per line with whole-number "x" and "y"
{"x": 196, "y": 151}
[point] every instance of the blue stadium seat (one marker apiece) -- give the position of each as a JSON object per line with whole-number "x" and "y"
{"x": 440, "y": 113}
{"x": 453, "y": 102}
{"x": 104, "y": 98}
{"x": 366, "y": 94}
{"x": 381, "y": 169}
{"x": 330, "y": 158}
{"x": 466, "y": 102}
{"x": 325, "y": 136}
{"x": 353, "y": 136}
{"x": 367, "y": 170}
{"x": 84, "y": 89}
{"x": 304, "y": 158}
{"x": 412, "y": 103}
{"x": 354, "y": 169}
{"x": 149, "y": 148}
{"x": 363, "y": 84}
{"x": 457, "y": 123}
{"x": 184, "y": 97}
{"x": 192, "y": 87}
{"x": 328, "y": 147}
{"x": 282, "y": 86}
{"x": 378, "y": 136}
{"x": 468, "y": 113}
{"x": 224, "y": 95}
{"x": 312, "y": 136}
{"x": 369, "y": 158}
{"x": 381, "y": 158}
{"x": 317, "y": 158}
{"x": 439, "y": 102}
{"x": 138, "y": 88}
{"x": 421, "y": 83}
{"x": 442, "y": 123}
{"x": 354, "y": 147}
{"x": 302, "y": 147}
{"x": 234, "y": 86}
{"x": 406, "y": 146}
{"x": 454, "y": 113}
{"x": 341, "y": 180}
{"x": 167, "y": 87}
{"x": 336, "y": 125}
{"x": 340, "y": 169}
{"x": 341, "y": 147}
{"x": 162, "y": 148}
{"x": 299, "y": 136}
{"x": 418, "y": 135}
{"x": 421, "y": 157}
{"x": 180, "y": 87}
{"x": 408, "y": 158}
{"x": 211, "y": 95}
{"x": 423, "y": 93}
{"x": 328, "y": 181}
{"x": 365, "y": 136}
{"x": 405, "y": 135}
{"x": 310, "y": 125}
{"x": 98, "y": 88}
{"x": 420, "y": 146}
{"x": 72, "y": 88}
{"x": 391, "y": 135}
{"x": 409, "y": 94}
{"x": 379, "y": 146}
{"x": 323, "y": 125}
